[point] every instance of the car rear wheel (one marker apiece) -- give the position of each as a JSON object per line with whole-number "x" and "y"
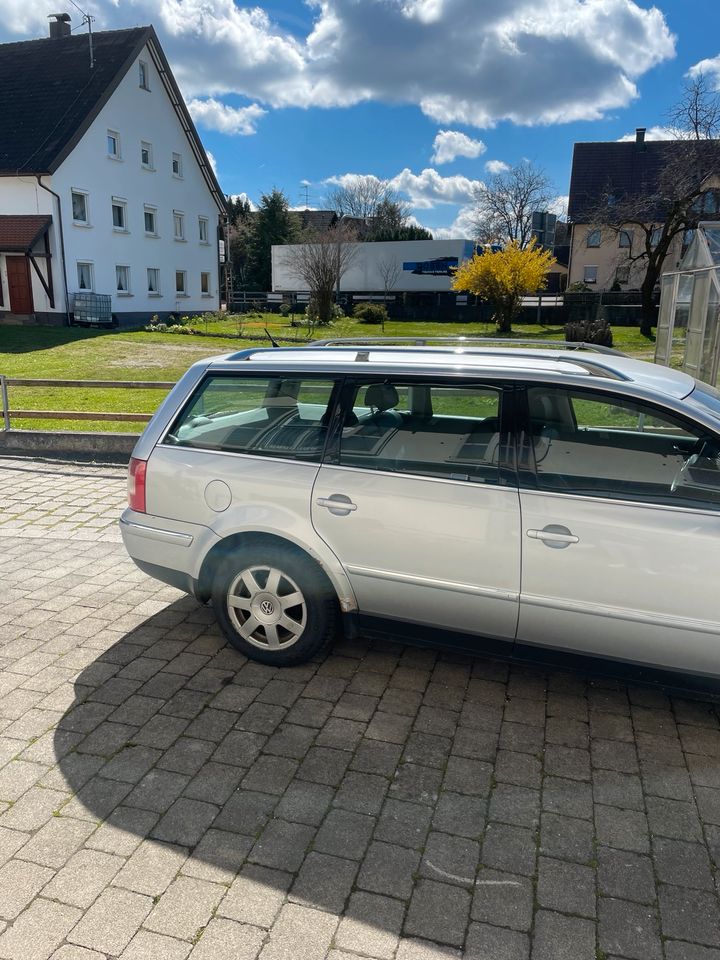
{"x": 274, "y": 604}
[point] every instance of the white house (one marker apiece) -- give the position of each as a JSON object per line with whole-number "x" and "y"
{"x": 105, "y": 188}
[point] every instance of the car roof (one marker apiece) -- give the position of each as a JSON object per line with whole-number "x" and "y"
{"x": 458, "y": 356}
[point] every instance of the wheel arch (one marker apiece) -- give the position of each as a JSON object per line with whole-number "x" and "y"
{"x": 335, "y": 577}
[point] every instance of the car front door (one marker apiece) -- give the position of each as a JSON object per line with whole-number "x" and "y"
{"x": 419, "y": 507}
{"x": 620, "y": 505}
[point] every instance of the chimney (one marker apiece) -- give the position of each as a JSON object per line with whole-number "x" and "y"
{"x": 640, "y": 137}
{"x": 59, "y": 25}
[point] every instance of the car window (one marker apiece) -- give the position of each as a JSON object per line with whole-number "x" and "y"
{"x": 605, "y": 446}
{"x": 266, "y": 416}
{"x": 424, "y": 428}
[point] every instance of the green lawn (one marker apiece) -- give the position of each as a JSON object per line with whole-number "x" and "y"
{"x": 81, "y": 354}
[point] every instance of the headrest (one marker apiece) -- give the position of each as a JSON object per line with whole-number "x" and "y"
{"x": 381, "y": 396}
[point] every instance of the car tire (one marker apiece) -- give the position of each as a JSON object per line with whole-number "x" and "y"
{"x": 274, "y": 604}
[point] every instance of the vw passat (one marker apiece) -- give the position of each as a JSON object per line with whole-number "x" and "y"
{"x": 561, "y": 498}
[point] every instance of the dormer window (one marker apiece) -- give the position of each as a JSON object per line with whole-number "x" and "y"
{"x": 144, "y": 75}
{"x": 113, "y": 144}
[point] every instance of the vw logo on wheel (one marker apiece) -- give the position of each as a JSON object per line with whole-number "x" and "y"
{"x": 267, "y": 607}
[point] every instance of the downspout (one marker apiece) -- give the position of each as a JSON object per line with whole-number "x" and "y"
{"x": 62, "y": 246}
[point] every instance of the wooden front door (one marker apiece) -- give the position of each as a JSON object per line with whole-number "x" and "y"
{"x": 18, "y": 273}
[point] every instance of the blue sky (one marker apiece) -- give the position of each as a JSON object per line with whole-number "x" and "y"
{"x": 424, "y": 93}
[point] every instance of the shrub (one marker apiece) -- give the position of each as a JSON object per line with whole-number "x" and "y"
{"x": 156, "y": 326}
{"x": 589, "y": 331}
{"x": 370, "y": 312}
{"x": 313, "y": 316}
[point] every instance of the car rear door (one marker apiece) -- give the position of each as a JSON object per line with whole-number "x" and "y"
{"x": 419, "y": 503}
{"x": 620, "y": 505}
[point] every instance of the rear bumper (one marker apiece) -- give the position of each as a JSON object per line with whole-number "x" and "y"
{"x": 169, "y": 550}
{"x": 175, "y": 578}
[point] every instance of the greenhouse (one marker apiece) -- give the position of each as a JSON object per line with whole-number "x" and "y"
{"x": 688, "y": 326}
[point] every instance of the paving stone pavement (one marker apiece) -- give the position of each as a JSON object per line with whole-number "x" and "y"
{"x": 162, "y": 798}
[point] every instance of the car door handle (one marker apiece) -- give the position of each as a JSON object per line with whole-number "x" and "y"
{"x": 337, "y": 503}
{"x": 554, "y": 535}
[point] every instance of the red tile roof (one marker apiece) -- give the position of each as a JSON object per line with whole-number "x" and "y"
{"x": 19, "y": 233}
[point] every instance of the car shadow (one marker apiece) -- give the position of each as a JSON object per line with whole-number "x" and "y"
{"x": 358, "y": 784}
{"x": 275, "y": 782}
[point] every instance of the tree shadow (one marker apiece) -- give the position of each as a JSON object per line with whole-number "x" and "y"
{"x": 21, "y": 339}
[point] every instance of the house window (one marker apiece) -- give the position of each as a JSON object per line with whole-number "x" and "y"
{"x": 590, "y": 274}
{"x": 593, "y": 238}
{"x": 122, "y": 280}
{"x": 181, "y": 283}
{"x": 86, "y": 280}
{"x": 80, "y": 207}
{"x": 625, "y": 239}
{"x": 146, "y": 155}
{"x": 622, "y": 274}
{"x": 655, "y": 236}
{"x": 144, "y": 75}
{"x": 203, "y": 229}
{"x": 119, "y": 214}
{"x": 177, "y": 165}
{"x": 205, "y": 284}
{"x": 150, "y": 215}
{"x": 153, "y": 281}
{"x": 113, "y": 144}
{"x": 179, "y": 225}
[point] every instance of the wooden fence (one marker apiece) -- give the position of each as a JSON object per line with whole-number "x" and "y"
{"x": 8, "y": 412}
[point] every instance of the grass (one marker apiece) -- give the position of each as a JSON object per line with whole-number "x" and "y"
{"x": 83, "y": 354}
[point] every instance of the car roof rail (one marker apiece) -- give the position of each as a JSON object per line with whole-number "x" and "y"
{"x": 461, "y": 341}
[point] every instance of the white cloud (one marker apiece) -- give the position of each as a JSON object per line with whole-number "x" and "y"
{"x": 710, "y": 68}
{"x": 450, "y": 144}
{"x": 652, "y": 133}
{"x": 212, "y": 161}
{"x": 527, "y": 61}
{"x": 428, "y": 188}
{"x": 214, "y": 115}
{"x": 497, "y": 166}
{"x": 462, "y": 228}
{"x": 423, "y": 190}
{"x": 245, "y": 198}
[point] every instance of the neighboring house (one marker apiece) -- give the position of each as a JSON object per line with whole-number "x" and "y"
{"x": 600, "y": 256}
{"x": 105, "y": 188}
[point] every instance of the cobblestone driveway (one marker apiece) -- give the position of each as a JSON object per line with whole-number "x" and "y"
{"x": 162, "y": 798}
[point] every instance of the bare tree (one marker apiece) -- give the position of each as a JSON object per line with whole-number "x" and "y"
{"x": 696, "y": 115}
{"x": 389, "y": 269}
{"x": 360, "y": 198}
{"x": 681, "y": 189}
{"x": 506, "y": 203}
{"x": 319, "y": 263}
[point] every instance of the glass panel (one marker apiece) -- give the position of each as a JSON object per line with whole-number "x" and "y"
{"x": 79, "y": 207}
{"x": 262, "y": 416}
{"x": 666, "y": 317}
{"x": 149, "y": 221}
{"x": 118, "y": 215}
{"x": 612, "y": 447}
{"x": 424, "y": 429}
{"x": 712, "y": 235}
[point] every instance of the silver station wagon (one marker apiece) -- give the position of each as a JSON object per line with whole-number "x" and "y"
{"x": 565, "y": 499}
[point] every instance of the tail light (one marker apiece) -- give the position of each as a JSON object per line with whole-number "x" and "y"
{"x": 136, "y": 484}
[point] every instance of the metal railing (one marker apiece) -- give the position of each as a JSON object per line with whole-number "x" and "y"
{"x": 8, "y": 412}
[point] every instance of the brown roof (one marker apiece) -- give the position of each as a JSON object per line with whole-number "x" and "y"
{"x": 18, "y": 234}
{"x": 628, "y": 170}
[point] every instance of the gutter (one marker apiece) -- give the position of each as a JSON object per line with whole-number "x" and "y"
{"x": 62, "y": 246}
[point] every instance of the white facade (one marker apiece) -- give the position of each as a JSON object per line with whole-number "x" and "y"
{"x": 171, "y": 267}
{"x": 419, "y": 265}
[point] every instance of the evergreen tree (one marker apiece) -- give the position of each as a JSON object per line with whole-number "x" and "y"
{"x": 272, "y": 223}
